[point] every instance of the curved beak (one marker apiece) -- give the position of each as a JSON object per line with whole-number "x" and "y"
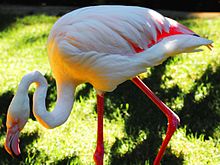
{"x": 12, "y": 143}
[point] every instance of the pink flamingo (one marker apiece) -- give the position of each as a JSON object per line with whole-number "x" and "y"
{"x": 105, "y": 46}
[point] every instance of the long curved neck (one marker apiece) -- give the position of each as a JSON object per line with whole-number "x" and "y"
{"x": 63, "y": 105}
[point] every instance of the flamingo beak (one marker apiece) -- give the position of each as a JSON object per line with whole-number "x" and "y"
{"x": 12, "y": 143}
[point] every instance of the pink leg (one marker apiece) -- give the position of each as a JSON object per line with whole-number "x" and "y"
{"x": 99, "y": 152}
{"x": 173, "y": 119}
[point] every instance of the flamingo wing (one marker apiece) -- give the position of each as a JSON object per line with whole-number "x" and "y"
{"x": 110, "y": 29}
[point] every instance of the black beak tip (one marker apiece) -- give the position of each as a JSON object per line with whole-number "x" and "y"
{"x": 18, "y": 157}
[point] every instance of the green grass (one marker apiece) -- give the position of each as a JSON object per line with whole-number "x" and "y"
{"x": 134, "y": 127}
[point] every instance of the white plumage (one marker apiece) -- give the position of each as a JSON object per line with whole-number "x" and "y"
{"x": 98, "y": 42}
{"x": 110, "y": 27}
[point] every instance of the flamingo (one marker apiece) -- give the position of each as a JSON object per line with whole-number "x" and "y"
{"x": 105, "y": 46}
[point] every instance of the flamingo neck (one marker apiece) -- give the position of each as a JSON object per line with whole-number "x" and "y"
{"x": 28, "y": 79}
{"x": 63, "y": 105}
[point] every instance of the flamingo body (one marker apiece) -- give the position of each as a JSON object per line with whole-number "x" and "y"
{"x": 100, "y": 44}
{"x": 105, "y": 46}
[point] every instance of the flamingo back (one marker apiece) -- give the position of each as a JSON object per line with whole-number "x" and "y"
{"x": 122, "y": 30}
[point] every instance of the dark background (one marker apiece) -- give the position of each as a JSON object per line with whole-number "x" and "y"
{"x": 181, "y": 5}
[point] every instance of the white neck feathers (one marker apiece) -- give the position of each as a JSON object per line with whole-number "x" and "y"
{"x": 64, "y": 99}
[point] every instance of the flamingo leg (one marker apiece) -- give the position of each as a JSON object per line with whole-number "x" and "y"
{"x": 99, "y": 152}
{"x": 173, "y": 119}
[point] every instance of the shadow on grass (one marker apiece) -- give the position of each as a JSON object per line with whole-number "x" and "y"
{"x": 26, "y": 139}
{"x": 5, "y": 100}
{"x": 33, "y": 155}
{"x": 74, "y": 160}
{"x": 4, "y": 24}
{"x": 203, "y": 117}
{"x": 83, "y": 92}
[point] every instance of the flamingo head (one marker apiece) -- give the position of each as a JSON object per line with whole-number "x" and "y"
{"x": 182, "y": 43}
{"x": 18, "y": 113}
